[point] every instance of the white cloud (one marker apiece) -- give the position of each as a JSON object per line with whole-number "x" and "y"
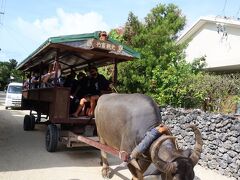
{"x": 31, "y": 34}
{"x": 62, "y": 24}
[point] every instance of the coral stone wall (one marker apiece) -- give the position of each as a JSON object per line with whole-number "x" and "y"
{"x": 220, "y": 133}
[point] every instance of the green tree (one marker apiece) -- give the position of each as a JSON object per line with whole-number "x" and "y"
{"x": 4, "y": 74}
{"x": 117, "y": 34}
{"x": 155, "y": 39}
{"x": 12, "y": 64}
{"x": 175, "y": 85}
{"x": 7, "y": 69}
{"x": 215, "y": 90}
{"x": 18, "y": 75}
{"x": 132, "y": 30}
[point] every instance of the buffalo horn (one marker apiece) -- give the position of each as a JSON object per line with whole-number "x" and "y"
{"x": 198, "y": 145}
{"x": 166, "y": 167}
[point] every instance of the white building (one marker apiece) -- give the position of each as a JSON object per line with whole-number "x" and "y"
{"x": 218, "y": 39}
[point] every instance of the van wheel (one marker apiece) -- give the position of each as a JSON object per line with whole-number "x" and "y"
{"x": 51, "y": 138}
{"x": 27, "y": 123}
{"x": 6, "y": 107}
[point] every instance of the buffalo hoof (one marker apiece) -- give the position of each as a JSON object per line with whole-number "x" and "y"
{"x": 106, "y": 173}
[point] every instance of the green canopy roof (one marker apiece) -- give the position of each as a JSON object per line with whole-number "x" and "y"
{"x": 78, "y": 51}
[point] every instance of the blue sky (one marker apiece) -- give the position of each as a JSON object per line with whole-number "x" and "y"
{"x": 28, "y": 23}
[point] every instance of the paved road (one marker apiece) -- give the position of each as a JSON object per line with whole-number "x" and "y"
{"x": 23, "y": 155}
{"x": 2, "y": 97}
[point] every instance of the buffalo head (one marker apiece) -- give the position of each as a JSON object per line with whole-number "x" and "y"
{"x": 179, "y": 164}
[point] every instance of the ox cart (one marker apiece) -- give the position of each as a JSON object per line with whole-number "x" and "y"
{"x": 72, "y": 52}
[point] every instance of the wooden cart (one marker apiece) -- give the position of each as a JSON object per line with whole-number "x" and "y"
{"x": 73, "y": 52}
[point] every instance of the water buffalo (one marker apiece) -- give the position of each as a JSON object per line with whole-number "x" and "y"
{"x": 122, "y": 121}
{"x": 171, "y": 162}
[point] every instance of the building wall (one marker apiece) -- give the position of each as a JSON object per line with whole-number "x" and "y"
{"x": 219, "y": 50}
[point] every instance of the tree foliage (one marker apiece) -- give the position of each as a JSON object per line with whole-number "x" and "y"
{"x": 212, "y": 92}
{"x": 162, "y": 71}
{"x": 155, "y": 39}
{"x": 8, "y": 70}
{"x": 117, "y": 34}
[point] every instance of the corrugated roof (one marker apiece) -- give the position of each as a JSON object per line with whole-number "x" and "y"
{"x": 75, "y": 44}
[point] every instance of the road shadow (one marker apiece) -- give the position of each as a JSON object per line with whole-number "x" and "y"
{"x": 25, "y": 150}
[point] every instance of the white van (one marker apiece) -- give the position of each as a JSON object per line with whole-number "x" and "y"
{"x": 14, "y": 95}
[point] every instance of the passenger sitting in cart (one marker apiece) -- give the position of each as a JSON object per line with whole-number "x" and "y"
{"x": 26, "y": 83}
{"x": 71, "y": 82}
{"x": 77, "y": 90}
{"x": 34, "y": 81}
{"x": 48, "y": 77}
{"x": 96, "y": 85}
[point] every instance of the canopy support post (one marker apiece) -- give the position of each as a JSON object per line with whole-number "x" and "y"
{"x": 56, "y": 67}
{"x": 115, "y": 72}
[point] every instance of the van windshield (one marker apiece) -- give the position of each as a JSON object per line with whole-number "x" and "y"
{"x": 15, "y": 89}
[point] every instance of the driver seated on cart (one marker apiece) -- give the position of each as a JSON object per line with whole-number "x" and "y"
{"x": 97, "y": 85}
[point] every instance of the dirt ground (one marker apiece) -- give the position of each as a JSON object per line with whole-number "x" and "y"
{"x": 23, "y": 156}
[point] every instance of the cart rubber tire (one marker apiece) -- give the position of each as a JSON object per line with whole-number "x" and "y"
{"x": 51, "y": 138}
{"x": 27, "y": 123}
{"x": 32, "y": 121}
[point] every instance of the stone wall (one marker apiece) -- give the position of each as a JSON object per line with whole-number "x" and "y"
{"x": 221, "y": 137}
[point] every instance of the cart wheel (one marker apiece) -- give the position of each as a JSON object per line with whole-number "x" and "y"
{"x": 32, "y": 121}
{"x": 51, "y": 138}
{"x": 27, "y": 124}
